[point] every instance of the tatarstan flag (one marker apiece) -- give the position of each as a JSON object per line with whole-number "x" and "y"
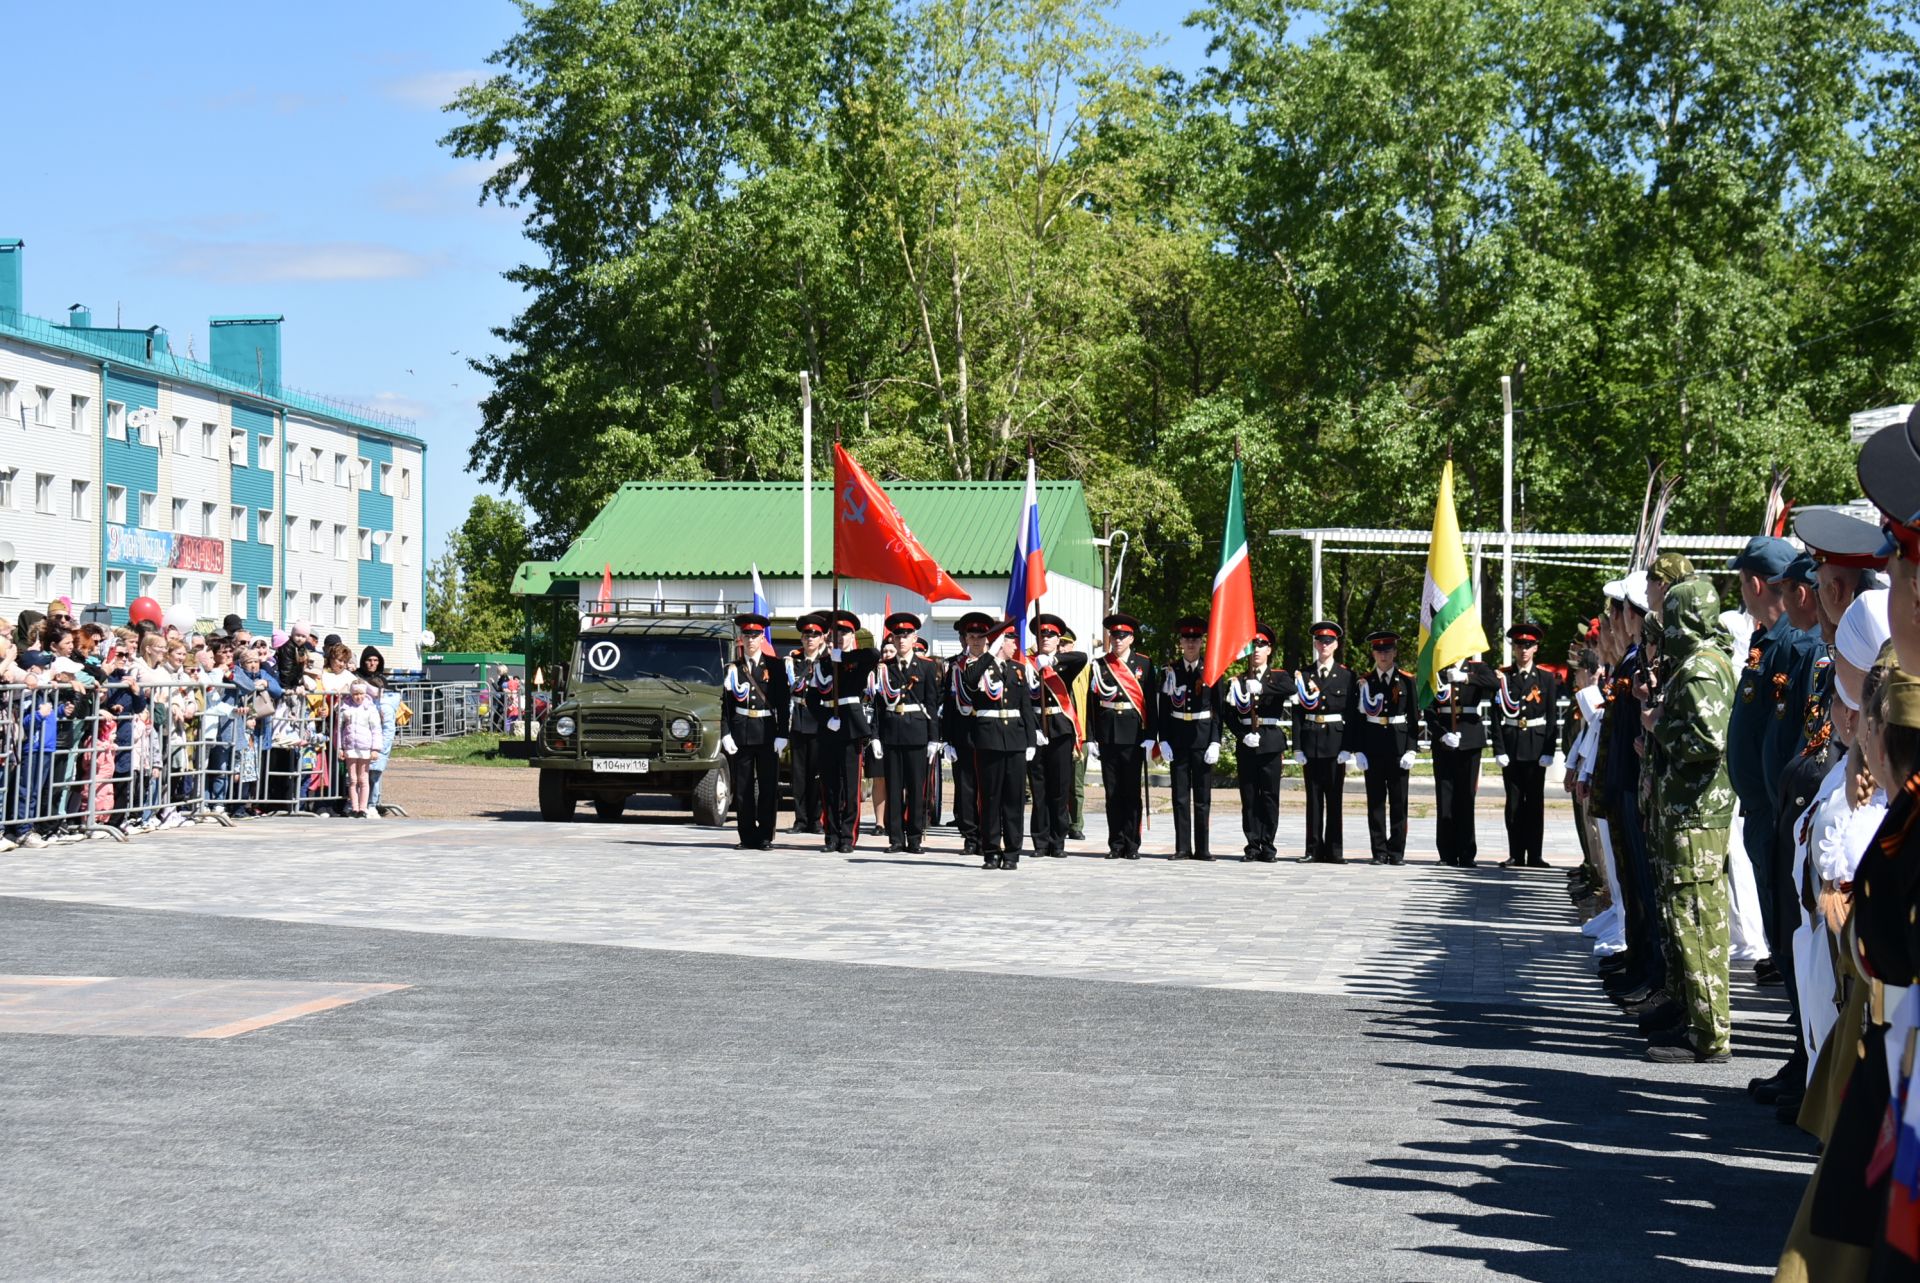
{"x": 1230, "y": 625}
{"x": 1449, "y": 618}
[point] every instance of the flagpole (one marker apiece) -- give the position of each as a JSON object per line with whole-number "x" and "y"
{"x": 835, "y": 603}
{"x": 806, "y": 493}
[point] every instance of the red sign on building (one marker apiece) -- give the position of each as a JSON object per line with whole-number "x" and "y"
{"x": 196, "y": 552}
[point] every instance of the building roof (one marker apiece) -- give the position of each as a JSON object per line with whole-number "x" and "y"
{"x": 96, "y": 345}
{"x": 708, "y": 529}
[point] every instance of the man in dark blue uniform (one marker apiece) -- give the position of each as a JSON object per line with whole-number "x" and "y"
{"x": 1758, "y": 564}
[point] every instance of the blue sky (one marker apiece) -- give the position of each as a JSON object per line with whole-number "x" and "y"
{"x": 171, "y": 163}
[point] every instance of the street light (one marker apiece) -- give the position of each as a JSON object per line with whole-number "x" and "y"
{"x": 1110, "y": 574}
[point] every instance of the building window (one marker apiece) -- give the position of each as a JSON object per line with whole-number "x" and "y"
{"x": 209, "y": 597}
{"x": 366, "y": 613}
{"x": 179, "y": 526}
{"x": 406, "y": 551}
{"x": 313, "y": 607}
{"x": 79, "y": 593}
{"x": 386, "y": 478}
{"x": 149, "y": 511}
{"x": 366, "y": 544}
{"x": 6, "y": 398}
{"x": 293, "y": 606}
{"x": 179, "y": 435}
{"x": 314, "y": 454}
{"x": 237, "y": 526}
{"x": 339, "y": 542}
{"x": 237, "y": 451}
{"x": 406, "y": 483}
{"x": 264, "y": 599}
{"x": 264, "y": 533}
{"x": 42, "y": 580}
{"x": 6, "y": 580}
{"x": 116, "y": 588}
{"x": 401, "y": 622}
{"x": 116, "y": 421}
{"x": 6, "y": 487}
{"x": 79, "y": 420}
{"x": 147, "y": 580}
{"x": 210, "y": 441}
{"x": 209, "y": 519}
{"x": 340, "y": 477}
{"x": 236, "y": 599}
{"x": 43, "y": 409}
{"x": 179, "y": 597}
{"x": 117, "y": 505}
{"x": 43, "y": 492}
{"x": 383, "y": 622}
{"x": 340, "y": 611}
{"x": 80, "y": 512}
{"x": 313, "y": 535}
{"x": 143, "y": 421}
{"x": 266, "y": 459}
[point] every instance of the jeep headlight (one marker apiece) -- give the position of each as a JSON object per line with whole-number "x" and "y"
{"x": 563, "y": 727}
{"x": 680, "y": 728}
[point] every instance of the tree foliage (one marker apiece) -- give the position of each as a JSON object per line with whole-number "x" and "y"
{"x": 469, "y": 602}
{"x": 1683, "y": 230}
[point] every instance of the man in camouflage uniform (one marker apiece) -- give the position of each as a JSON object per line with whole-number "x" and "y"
{"x": 1693, "y": 805}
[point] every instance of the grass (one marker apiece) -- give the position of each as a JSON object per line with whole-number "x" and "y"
{"x": 480, "y": 749}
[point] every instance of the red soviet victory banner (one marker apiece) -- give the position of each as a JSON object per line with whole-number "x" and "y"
{"x": 870, "y": 541}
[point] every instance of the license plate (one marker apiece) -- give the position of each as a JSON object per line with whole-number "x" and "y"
{"x": 620, "y": 765}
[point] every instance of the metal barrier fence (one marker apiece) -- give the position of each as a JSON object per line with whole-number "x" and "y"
{"x": 442, "y": 710}
{"x": 78, "y": 759}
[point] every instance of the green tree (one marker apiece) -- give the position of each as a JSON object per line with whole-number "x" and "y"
{"x": 470, "y": 606}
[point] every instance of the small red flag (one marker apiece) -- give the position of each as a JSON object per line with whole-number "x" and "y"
{"x": 870, "y": 541}
{"x": 606, "y": 595}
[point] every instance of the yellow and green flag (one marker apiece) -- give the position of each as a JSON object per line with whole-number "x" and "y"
{"x": 1449, "y": 617}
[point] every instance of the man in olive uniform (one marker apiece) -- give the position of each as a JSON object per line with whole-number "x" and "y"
{"x": 1323, "y": 694}
{"x": 1525, "y": 733}
{"x": 806, "y": 722}
{"x": 848, "y": 669}
{"x": 754, "y": 698}
{"x": 1123, "y": 723}
{"x": 1188, "y": 715}
{"x": 1004, "y": 729}
{"x": 1051, "y": 673}
{"x": 1456, "y": 726}
{"x": 1385, "y": 721}
{"x": 906, "y": 693}
{"x": 956, "y": 729}
{"x": 1257, "y": 703}
{"x": 1692, "y": 810}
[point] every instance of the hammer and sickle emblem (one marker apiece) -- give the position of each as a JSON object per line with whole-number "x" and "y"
{"x": 856, "y": 504}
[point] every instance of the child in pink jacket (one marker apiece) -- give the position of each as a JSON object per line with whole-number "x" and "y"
{"x": 359, "y": 744}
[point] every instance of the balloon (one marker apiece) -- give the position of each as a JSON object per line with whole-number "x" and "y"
{"x": 144, "y": 610}
{"x": 180, "y": 618}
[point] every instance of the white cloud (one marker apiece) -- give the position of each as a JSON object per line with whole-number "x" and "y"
{"x": 243, "y": 262}
{"x": 453, "y": 191}
{"x": 431, "y": 89}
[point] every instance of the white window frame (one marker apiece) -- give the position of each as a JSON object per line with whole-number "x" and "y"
{"x": 265, "y": 456}
{"x": 178, "y": 587}
{"x": 117, "y": 505}
{"x": 6, "y": 579}
{"x": 267, "y": 533}
{"x": 116, "y": 587}
{"x": 314, "y": 542}
{"x": 237, "y": 439}
{"x": 209, "y": 440}
{"x": 263, "y": 601}
{"x": 366, "y": 612}
{"x": 7, "y": 387}
{"x": 148, "y": 581}
{"x": 383, "y": 622}
{"x": 237, "y": 525}
{"x": 149, "y": 510}
{"x": 7, "y": 477}
{"x": 77, "y": 409}
{"x": 78, "y": 586}
{"x": 43, "y": 580}
{"x": 82, "y": 509}
{"x": 43, "y": 492}
{"x": 180, "y": 434}
{"x": 117, "y": 420}
{"x": 209, "y": 519}
{"x": 43, "y": 410}
{"x": 237, "y": 599}
{"x": 340, "y": 610}
{"x": 178, "y": 509}
{"x": 341, "y": 477}
{"x": 339, "y": 542}
{"x": 366, "y": 545}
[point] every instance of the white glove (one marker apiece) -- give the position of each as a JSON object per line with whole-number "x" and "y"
{"x": 1501, "y": 759}
{"x": 1251, "y": 739}
{"x": 1039, "y": 739}
{"x": 833, "y": 653}
{"x": 1546, "y": 759}
{"x": 1146, "y": 746}
{"x": 1456, "y": 674}
{"x": 953, "y": 754}
{"x": 1043, "y": 661}
{"x": 1253, "y": 685}
{"x": 1299, "y": 759}
{"x": 1093, "y": 749}
{"x": 1166, "y": 751}
{"x": 1406, "y": 760}
{"x": 833, "y": 723}
{"x": 1451, "y": 739}
{"x": 727, "y": 745}
{"x": 879, "y": 750}
{"x": 1359, "y": 760}
{"x": 1343, "y": 758}
{"x": 1212, "y": 754}
{"x": 933, "y": 749}
{"x": 779, "y": 746}
{"x": 1031, "y": 752}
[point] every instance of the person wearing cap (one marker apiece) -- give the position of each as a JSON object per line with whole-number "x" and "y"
{"x": 1757, "y": 565}
{"x": 1004, "y": 730}
{"x": 1188, "y": 714}
{"x": 1692, "y": 811}
{"x": 1525, "y": 734}
{"x": 1637, "y": 980}
{"x": 906, "y": 737}
{"x": 1123, "y": 725}
{"x": 848, "y": 669}
{"x": 1256, "y": 709}
{"x": 1385, "y": 726}
{"x": 1457, "y": 727}
{"x": 755, "y": 700}
{"x": 1051, "y": 673}
{"x": 1323, "y": 695}
{"x": 1077, "y": 808}
{"x": 956, "y": 729}
{"x": 807, "y": 680}
{"x": 937, "y": 760}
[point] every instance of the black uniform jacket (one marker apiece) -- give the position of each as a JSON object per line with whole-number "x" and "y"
{"x": 843, "y": 692}
{"x": 1263, "y": 711}
{"x": 1189, "y": 710}
{"x": 1526, "y": 726}
{"x": 1003, "y": 718}
{"x": 906, "y": 702}
{"x": 806, "y": 717}
{"x": 1385, "y": 717}
{"x": 1320, "y": 707}
{"x": 956, "y": 704}
{"x": 754, "y": 701}
{"x": 1115, "y": 718}
{"x": 1461, "y": 707}
{"x": 1055, "y": 720}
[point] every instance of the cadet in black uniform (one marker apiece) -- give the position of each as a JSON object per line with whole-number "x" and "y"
{"x": 848, "y": 668}
{"x": 753, "y": 732}
{"x": 906, "y": 693}
{"x": 1323, "y": 694}
{"x": 956, "y": 729}
{"x": 1257, "y": 703}
{"x": 1003, "y": 734}
{"x": 1050, "y": 676}
{"x": 1458, "y": 734}
{"x": 936, "y": 761}
{"x": 1122, "y": 712}
{"x": 1525, "y": 731}
{"x": 1386, "y": 732}
{"x": 1188, "y": 715}
{"x": 806, "y": 721}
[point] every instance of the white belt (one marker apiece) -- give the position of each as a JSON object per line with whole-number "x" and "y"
{"x": 1376, "y": 719}
{"x": 1325, "y": 718}
{"x": 997, "y": 712}
{"x": 902, "y": 708}
{"x": 851, "y": 699}
{"x": 753, "y": 712}
{"x": 1118, "y": 705}
{"x": 1533, "y": 725}
{"x": 1203, "y": 715}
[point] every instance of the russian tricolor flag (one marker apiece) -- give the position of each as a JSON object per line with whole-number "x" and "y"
{"x": 760, "y": 607}
{"x": 1027, "y": 581}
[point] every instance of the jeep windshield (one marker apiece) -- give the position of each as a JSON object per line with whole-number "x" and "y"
{"x": 617, "y": 658}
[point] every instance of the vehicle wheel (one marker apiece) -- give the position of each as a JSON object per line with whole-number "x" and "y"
{"x": 712, "y": 798}
{"x": 555, "y": 805}
{"x": 609, "y": 808}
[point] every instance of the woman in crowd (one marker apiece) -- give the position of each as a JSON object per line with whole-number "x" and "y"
{"x": 373, "y": 671}
{"x": 257, "y": 692}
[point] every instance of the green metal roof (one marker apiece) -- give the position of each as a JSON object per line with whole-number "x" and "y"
{"x": 535, "y": 579}
{"x": 714, "y": 529}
